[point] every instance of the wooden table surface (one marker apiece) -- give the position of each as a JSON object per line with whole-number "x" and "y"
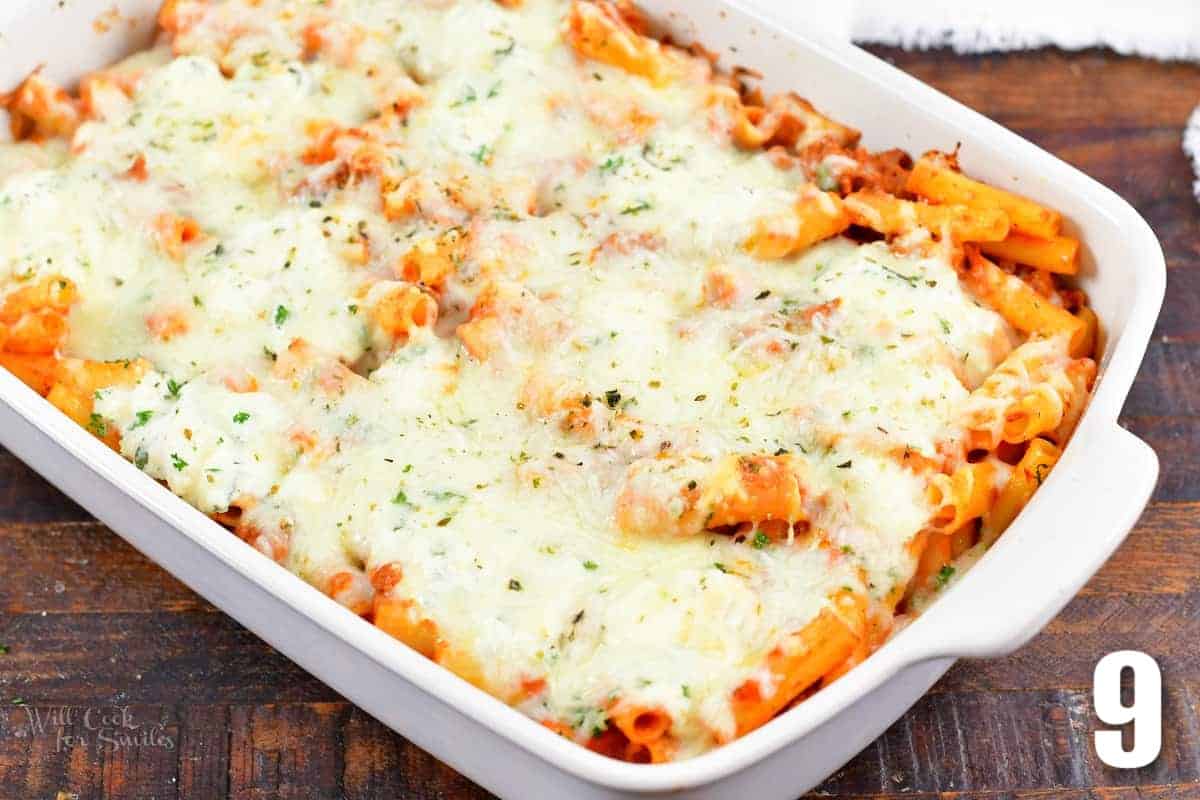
{"x": 209, "y": 711}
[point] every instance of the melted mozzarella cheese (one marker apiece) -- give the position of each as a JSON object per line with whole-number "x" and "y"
{"x": 604, "y": 209}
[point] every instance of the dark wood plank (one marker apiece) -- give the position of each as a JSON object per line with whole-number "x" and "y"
{"x": 1165, "y": 626}
{"x": 972, "y": 741}
{"x": 1161, "y": 555}
{"x": 1166, "y": 385}
{"x": 1049, "y": 89}
{"x": 145, "y": 658}
{"x": 286, "y": 752}
{"x": 980, "y": 743}
{"x": 1187, "y": 792}
{"x": 204, "y": 742}
{"x": 26, "y": 497}
{"x": 1175, "y": 440}
{"x": 970, "y": 744}
{"x": 94, "y": 750}
{"x": 1180, "y": 759}
{"x": 381, "y": 764}
{"x": 93, "y": 571}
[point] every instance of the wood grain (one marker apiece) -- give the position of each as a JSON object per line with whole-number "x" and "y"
{"x": 91, "y": 624}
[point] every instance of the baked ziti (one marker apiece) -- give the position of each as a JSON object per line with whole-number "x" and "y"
{"x": 644, "y": 402}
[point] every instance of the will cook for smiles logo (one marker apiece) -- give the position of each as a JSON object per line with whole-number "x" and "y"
{"x": 103, "y": 727}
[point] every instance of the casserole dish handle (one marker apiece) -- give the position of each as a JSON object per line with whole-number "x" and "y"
{"x": 1096, "y": 492}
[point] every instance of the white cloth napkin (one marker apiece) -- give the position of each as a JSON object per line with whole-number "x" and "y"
{"x": 1165, "y": 29}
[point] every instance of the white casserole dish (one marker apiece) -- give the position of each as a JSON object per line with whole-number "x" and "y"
{"x": 1074, "y": 523}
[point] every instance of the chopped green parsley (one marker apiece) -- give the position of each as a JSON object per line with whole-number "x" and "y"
{"x": 97, "y": 425}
